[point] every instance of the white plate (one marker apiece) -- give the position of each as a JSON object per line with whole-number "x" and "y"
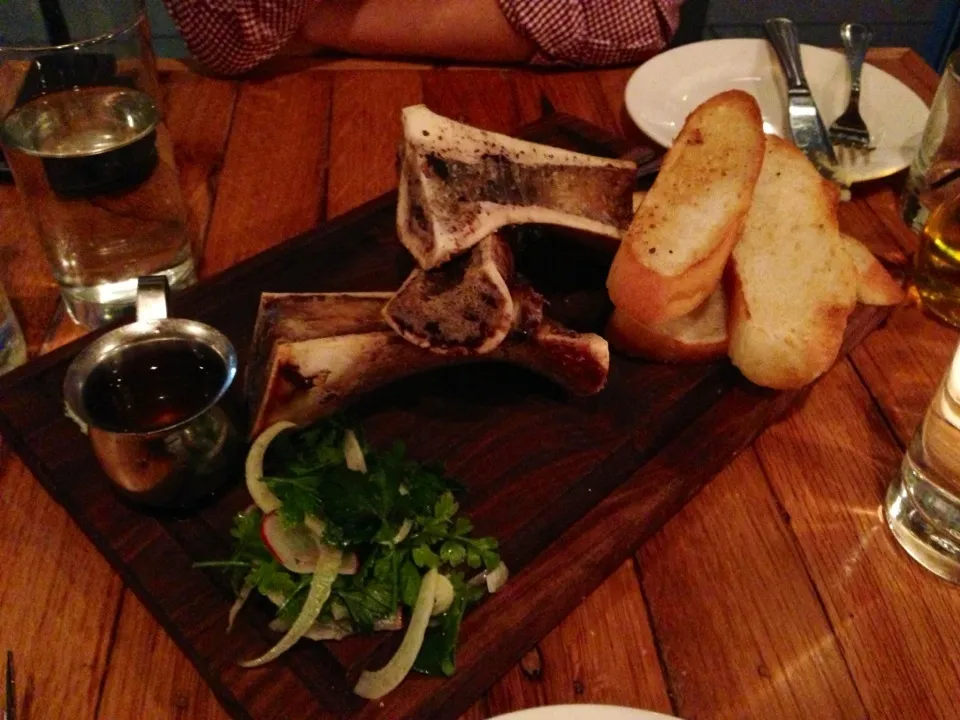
{"x": 583, "y": 712}
{"x": 665, "y": 89}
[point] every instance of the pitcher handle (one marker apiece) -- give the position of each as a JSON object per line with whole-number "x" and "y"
{"x": 152, "y": 295}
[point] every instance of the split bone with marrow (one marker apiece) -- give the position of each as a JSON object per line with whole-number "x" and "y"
{"x": 300, "y": 372}
{"x": 468, "y": 305}
{"x": 458, "y": 186}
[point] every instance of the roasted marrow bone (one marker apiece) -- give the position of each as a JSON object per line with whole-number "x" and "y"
{"x": 289, "y": 317}
{"x": 465, "y": 306}
{"x": 305, "y": 379}
{"x": 459, "y": 184}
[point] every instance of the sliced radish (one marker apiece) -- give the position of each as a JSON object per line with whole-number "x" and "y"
{"x": 261, "y": 494}
{"x": 392, "y": 623}
{"x": 296, "y": 548}
{"x": 374, "y": 685}
{"x": 353, "y": 453}
{"x": 324, "y": 574}
{"x": 350, "y": 564}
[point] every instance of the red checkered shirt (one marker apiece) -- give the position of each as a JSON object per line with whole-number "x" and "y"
{"x": 232, "y": 36}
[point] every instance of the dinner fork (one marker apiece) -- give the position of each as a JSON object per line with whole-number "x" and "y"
{"x": 849, "y": 130}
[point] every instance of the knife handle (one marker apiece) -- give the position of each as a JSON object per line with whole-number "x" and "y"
{"x": 856, "y": 39}
{"x": 783, "y": 36}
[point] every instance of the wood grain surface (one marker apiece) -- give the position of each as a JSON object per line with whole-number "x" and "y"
{"x": 811, "y": 607}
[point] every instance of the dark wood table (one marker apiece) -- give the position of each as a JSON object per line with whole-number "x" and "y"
{"x": 776, "y": 593}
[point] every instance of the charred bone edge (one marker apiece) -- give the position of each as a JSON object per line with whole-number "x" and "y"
{"x": 441, "y": 299}
{"x": 308, "y": 379}
{"x": 290, "y": 317}
{"x": 426, "y": 133}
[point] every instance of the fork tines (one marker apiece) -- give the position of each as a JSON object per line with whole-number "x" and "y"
{"x": 850, "y": 131}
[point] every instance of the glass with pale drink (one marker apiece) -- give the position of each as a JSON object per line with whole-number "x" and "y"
{"x": 83, "y": 133}
{"x": 935, "y": 172}
{"x": 922, "y": 506}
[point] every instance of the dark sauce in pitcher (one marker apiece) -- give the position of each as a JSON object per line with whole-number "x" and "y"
{"x": 153, "y": 385}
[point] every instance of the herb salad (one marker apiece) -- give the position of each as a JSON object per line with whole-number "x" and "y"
{"x": 345, "y": 539}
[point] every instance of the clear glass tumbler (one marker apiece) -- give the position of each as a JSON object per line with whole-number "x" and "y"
{"x": 934, "y": 173}
{"x": 922, "y": 506}
{"x": 84, "y": 136}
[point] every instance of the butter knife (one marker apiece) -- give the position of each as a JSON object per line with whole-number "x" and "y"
{"x": 806, "y": 126}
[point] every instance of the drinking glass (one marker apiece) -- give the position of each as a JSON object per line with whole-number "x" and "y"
{"x": 83, "y": 133}
{"x": 936, "y": 266}
{"x": 922, "y": 506}
{"x": 934, "y": 172}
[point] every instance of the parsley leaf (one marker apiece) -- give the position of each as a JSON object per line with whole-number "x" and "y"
{"x": 410, "y": 579}
{"x": 424, "y": 557}
{"x": 453, "y": 553}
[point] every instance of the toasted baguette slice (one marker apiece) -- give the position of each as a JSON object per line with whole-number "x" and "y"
{"x": 792, "y": 282}
{"x": 673, "y": 254}
{"x": 698, "y": 336}
{"x": 875, "y": 286}
{"x": 701, "y": 335}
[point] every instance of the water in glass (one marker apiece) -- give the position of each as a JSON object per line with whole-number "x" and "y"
{"x": 923, "y": 502}
{"x": 83, "y": 132}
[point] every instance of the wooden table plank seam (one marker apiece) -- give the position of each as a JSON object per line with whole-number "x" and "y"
{"x": 672, "y": 694}
{"x": 323, "y": 199}
{"x": 111, "y": 644}
{"x": 881, "y": 410}
{"x": 213, "y": 174}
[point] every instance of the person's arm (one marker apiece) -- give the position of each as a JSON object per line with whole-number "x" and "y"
{"x": 471, "y": 30}
{"x": 233, "y": 36}
{"x": 572, "y": 32}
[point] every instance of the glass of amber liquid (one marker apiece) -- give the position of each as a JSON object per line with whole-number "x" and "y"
{"x": 937, "y": 262}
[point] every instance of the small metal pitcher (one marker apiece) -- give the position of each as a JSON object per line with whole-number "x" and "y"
{"x": 176, "y": 458}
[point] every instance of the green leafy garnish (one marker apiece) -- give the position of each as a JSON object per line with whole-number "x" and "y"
{"x": 364, "y": 514}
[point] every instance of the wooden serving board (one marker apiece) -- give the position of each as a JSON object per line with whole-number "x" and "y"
{"x": 571, "y": 487}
